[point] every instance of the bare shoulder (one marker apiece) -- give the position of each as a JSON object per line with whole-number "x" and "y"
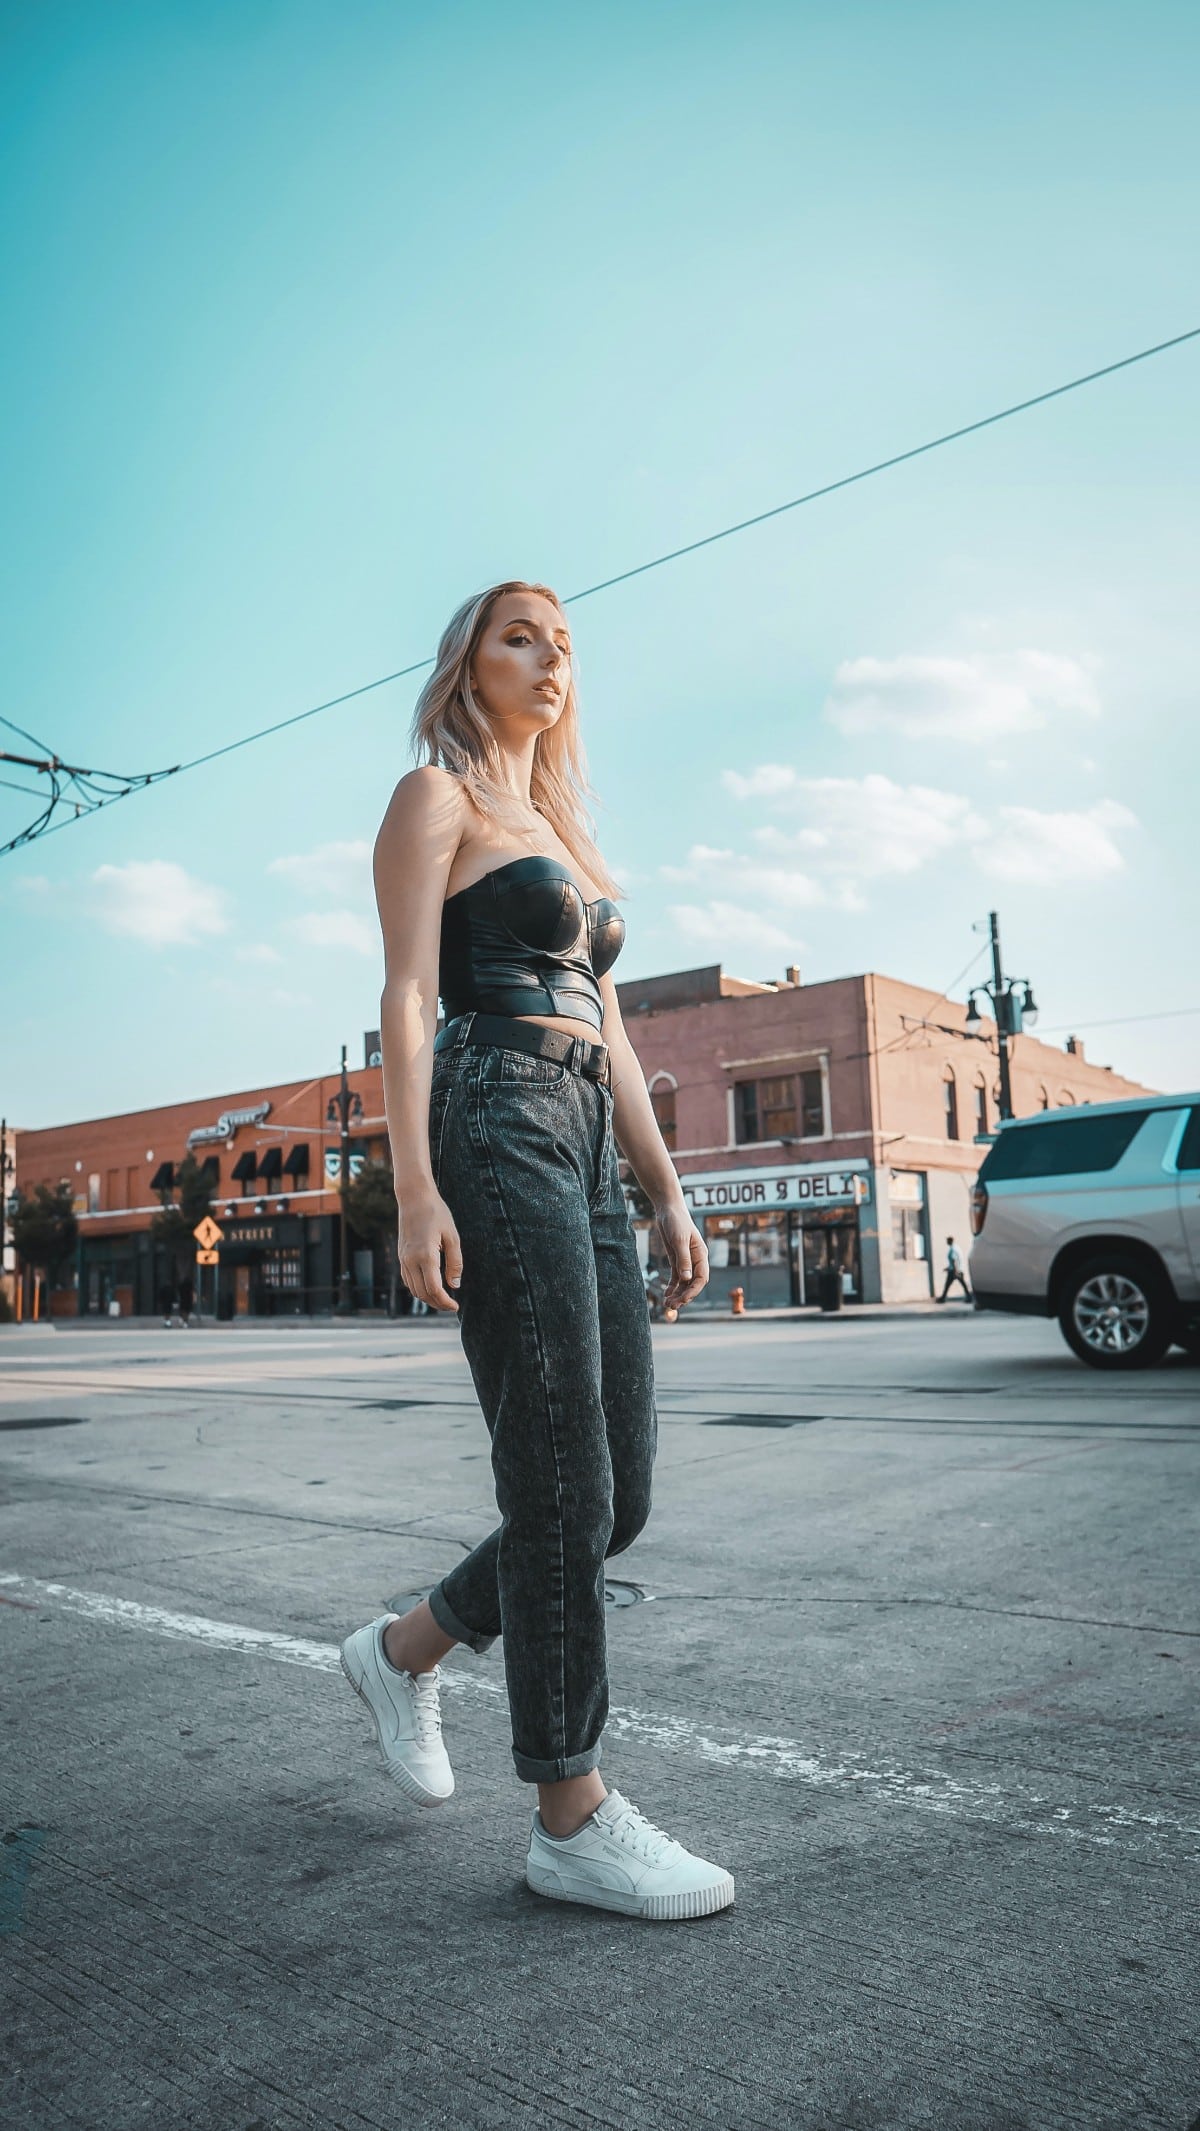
{"x": 428, "y": 809}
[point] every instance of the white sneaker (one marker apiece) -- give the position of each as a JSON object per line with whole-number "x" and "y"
{"x": 406, "y": 1712}
{"x": 619, "y": 1860}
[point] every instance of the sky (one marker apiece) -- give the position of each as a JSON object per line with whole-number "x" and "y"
{"x": 324, "y": 316}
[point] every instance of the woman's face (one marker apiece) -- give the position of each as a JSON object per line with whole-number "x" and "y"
{"x": 521, "y": 666}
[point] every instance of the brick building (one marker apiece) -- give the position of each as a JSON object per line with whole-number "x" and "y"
{"x": 818, "y": 1126}
{"x": 832, "y": 1126}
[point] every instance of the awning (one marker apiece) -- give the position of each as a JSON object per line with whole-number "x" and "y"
{"x": 271, "y": 1164}
{"x": 164, "y": 1177}
{"x": 210, "y": 1170}
{"x": 296, "y": 1164}
{"x": 245, "y": 1169}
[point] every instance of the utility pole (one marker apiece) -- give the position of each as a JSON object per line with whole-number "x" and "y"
{"x": 3, "y": 1195}
{"x": 342, "y": 1107}
{"x": 1011, "y": 1011}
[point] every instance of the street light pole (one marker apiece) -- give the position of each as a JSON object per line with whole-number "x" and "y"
{"x": 345, "y": 1301}
{"x": 1012, "y": 1004}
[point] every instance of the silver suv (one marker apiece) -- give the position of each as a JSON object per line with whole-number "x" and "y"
{"x": 1093, "y": 1216}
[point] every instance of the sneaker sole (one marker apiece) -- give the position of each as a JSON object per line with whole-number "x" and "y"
{"x": 411, "y": 1785}
{"x": 655, "y": 1908}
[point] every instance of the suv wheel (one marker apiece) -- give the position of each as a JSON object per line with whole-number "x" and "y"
{"x": 1114, "y": 1314}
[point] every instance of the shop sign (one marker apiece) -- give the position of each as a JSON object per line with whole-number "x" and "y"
{"x": 227, "y": 1124}
{"x": 761, "y": 1190}
{"x": 248, "y": 1234}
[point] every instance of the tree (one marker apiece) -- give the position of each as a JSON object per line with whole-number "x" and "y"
{"x": 44, "y": 1228}
{"x": 373, "y": 1214}
{"x": 172, "y": 1229}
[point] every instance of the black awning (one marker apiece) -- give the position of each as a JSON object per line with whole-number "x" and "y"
{"x": 296, "y": 1164}
{"x": 164, "y": 1177}
{"x": 210, "y": 1169}
{"x": 271, "y": 1164}
{"x": 245, "y": 1167}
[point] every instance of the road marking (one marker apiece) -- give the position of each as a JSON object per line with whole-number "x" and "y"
{"x": 1012, "y": 1804}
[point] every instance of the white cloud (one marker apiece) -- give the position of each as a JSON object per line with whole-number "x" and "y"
{"x": 339, "y": 871}
{"x": 722, "y": 927}
{"x": 856, "y": 828}
{"x": 973, "y": 700}
{"x": 258, "y": 951}
{"x": 156, "y": 900}
{"x": 336, "y": 928}
{"x": 1052, "y": 850}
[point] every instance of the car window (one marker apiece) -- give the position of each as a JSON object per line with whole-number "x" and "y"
{"x": 1189, "y": 1146}
{"x": 1072, "y": 1146}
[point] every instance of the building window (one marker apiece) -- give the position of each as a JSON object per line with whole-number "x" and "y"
{"x": 112, "y": 1190}
{"x": 133, "y": 1187}
{"x": 1066, "y": 1097}
{"x": 1043, "y": 1099}
{"x": 789, "y": 1106}
{"x": 281, "y": 1269}
{"x": 950, "y": 1096}
{"x": 981, "y": 1109}
{"x": 93, "y": 1193}
{"x": 907, "y": 1195}
{"x": 662, "y": 1102}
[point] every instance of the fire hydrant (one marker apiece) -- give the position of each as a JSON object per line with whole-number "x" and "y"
{"x": 737, "y": 1301}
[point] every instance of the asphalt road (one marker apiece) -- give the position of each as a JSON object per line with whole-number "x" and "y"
{"x": 911, "y": 1643}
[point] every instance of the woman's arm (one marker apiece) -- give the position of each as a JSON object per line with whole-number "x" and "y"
{"x": 414, "y": 851}
{"x": 642, "y": 1144}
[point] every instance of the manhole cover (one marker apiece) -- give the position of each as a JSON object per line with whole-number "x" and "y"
{"x": 49, "y": 1420}
{"x": 763, "y": 1420}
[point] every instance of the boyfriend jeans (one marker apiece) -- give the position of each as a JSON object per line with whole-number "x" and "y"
{"x": 554, "y": 1323}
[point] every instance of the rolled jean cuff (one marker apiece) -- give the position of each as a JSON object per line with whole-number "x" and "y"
{"x": 450, "y": 1624}
{"x": 531, "y": 1771}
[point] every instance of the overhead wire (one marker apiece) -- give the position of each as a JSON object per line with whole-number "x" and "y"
{"x": 47, "y": 827}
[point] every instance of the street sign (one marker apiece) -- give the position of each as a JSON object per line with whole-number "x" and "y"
{"x": 207, "y": 1257}
{"x": 207, "y": 1235}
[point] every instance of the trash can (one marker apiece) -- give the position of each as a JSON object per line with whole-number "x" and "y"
{"x": 829, "y": 1288}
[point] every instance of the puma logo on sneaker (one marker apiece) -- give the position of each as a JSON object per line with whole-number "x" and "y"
{"x": 619, "y": 1860}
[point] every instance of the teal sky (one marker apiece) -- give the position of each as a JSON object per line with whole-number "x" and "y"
{"x": 321, "y": 317}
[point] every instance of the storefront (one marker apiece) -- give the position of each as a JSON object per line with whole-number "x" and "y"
{"x": 771, "y": 1232}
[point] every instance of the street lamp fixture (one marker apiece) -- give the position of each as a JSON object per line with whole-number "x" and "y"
{"x": 1012, "y": 1003}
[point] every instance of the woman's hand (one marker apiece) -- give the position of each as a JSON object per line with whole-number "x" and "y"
{"x": 429, "y": 1249}
{"x": 686, "y": 1250}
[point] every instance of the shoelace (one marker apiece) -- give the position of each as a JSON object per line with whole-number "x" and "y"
{"x": 641, "y": 1836}
{"x": 427, "y": 1708}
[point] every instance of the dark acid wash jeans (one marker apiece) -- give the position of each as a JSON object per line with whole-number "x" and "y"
{"x": 555, "y": 1328}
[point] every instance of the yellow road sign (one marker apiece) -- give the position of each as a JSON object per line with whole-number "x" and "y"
{"x": 207, "y": 1235}
{"x": 207, "y": 1257}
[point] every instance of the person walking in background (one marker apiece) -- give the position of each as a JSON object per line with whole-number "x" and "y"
{"x": 955, "y": 1270}
{"x": 187, "y": 1298}
{"x": 493, "y": 894}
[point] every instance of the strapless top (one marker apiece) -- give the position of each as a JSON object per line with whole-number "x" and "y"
{"x": 523, "y": 941}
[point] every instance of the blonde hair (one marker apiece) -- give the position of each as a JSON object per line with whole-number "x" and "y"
{"x": 450, "y": 731}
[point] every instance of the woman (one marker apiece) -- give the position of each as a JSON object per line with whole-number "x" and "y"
{"x": 492, "y": 893}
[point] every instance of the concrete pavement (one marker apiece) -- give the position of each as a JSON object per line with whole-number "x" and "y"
{"x": 911, "y": 1643}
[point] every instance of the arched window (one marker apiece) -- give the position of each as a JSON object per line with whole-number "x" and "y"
{"x": 662, "y": 1102}
{"x": 950, "y": 1098}
{"x": 981, "y": 1108}
{"x": 1043, "y": 1098}
{"x": 1066, "y": 1098}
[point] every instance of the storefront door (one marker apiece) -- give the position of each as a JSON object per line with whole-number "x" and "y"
{"x": 832, "y": 1244}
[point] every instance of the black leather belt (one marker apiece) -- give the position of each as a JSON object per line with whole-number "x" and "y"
{"x": 510, "y": 1034}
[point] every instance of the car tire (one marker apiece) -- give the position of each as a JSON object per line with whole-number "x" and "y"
{"x": 1114, "y": 1313}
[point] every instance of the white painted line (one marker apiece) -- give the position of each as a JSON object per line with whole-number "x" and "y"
{"x": 1012, "y": 1804}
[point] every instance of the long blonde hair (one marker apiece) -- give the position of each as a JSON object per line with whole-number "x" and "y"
{"x": 450, "y": 731}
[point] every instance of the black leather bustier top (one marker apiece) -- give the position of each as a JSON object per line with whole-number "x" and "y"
{"x": 523, "y": 941}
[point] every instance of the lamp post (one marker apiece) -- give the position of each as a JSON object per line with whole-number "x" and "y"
{"x": 1012, "y": 1004}
{"x": 342, "y": 1107}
